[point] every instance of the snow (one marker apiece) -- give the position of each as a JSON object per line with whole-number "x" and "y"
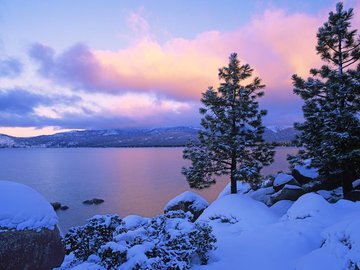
{"x": 5, "y": 141}
{"x": 291, "y": 187}
{"x": 307, "y": 234}
{"x": 242, "y": 188}
{"x": 282, "y": 178}
{"x": 281, "y": 207}
{"x": 276, "y": 129}
{"x": 309, "y": 205}
{"x": 356, "y": 183}
{"x": 23, "y": 208}
{"x": 248, "y": 212}
{"x": 306, "y": 170}
{"x": 134, "y": 221}
{"x": 198, "y": 203}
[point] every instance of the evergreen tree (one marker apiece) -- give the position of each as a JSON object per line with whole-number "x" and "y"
{"x": 330, "y": 134}
{"x": 231, "y": 140}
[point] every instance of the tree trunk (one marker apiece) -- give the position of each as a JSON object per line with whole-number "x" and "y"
{"x": 233, "y": 183}
{"x": 347, "y": 179}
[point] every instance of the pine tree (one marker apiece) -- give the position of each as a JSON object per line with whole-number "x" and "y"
{"x": 231, "y": 139}
{"x": 330, "y": 134}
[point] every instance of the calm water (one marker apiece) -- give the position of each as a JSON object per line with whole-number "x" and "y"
{"x": 130, "y": 180}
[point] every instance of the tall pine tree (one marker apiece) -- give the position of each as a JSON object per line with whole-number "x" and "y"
{"x": 231, "y": 140}
{"x": 330, "y": 134}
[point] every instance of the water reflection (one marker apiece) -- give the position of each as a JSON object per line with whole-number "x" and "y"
{"x": 130, "y": 180}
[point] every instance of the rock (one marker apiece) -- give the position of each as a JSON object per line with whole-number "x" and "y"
{"x": 29, "y": 249}
{"x": 353, "y": 195}
{"x": 56, "y": 205}
{"x": 29, "y": 236}
{"x": 288, "y": 192}
{"x": 88, "y": 202}
{"x": 302, "y": 179}
{"x": 93, "y": 201}
{"x": 187, "y": 201}
{"x": 283, "y": 179}
{"x": 97, "y": 201}
{"x": 305, "y": 174}
{"x": 64, "y": 207}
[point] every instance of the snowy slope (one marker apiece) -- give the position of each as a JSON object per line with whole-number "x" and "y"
{"x": 313, "y": 234}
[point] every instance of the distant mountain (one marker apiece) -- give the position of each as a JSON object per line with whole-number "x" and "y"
{"x": 155, "y": 137}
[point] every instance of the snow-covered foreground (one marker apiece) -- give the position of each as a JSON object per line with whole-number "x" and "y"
{"x": 308, "y": 234}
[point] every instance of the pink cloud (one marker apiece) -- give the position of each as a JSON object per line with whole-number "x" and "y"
{"x": 276, "y": 44}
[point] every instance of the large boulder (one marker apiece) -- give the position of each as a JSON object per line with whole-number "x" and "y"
{"x": 188, "y": 202}
{"x": 29, "y": 249}
{"x": 29, "y": 236}
{"x": 283, "y": 179}
{"x": 288, "y": 192}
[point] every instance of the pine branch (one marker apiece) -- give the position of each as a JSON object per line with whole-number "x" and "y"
{"x": 350, "y": 63}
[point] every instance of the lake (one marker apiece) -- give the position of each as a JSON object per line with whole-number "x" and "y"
{"x": 130, "y": 180}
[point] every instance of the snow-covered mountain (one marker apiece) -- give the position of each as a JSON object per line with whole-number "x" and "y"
{"x": 170, "y": 136}
{"x": 6, "y": 141}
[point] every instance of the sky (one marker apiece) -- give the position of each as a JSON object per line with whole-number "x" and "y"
{"x": 92, "y": 64}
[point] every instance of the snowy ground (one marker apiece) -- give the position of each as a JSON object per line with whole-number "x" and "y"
{"x": 308, "y": 234}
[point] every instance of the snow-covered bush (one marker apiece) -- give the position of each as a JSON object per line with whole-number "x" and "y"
{"x": 168, "y": 241}
{"x": 112, "y": 254}
{"x": 85, "y": 240}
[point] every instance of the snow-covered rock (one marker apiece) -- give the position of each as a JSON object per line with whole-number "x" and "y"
{"x": 23, "y": 208}
{"x": 29, "y": 237}
{"x": 282, "y": 179}
{"x": 288, "y": 192}
{"x": 304, "y": 173}
{"x": 187, "y": 201}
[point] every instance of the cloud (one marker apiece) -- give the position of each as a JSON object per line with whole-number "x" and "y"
{"x": 22, "y": 108}
{"x": 137, "y": 22}
{"x": 150, "y": 83}
{"x": 276, "y": 44}
{"x": 10, "y": 67}
{"x": 18, "y": 107}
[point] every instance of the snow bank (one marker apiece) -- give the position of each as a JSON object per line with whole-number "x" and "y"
{"x": 310, "y": 205}
{"x": 340, "y": 250}
{"x": 281, "y": 207}
{"x": 23, "y": 208}
{"x": 245, "y": 212}
{"x": 307, "y": 234}
{"x": 198, "y": 203}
